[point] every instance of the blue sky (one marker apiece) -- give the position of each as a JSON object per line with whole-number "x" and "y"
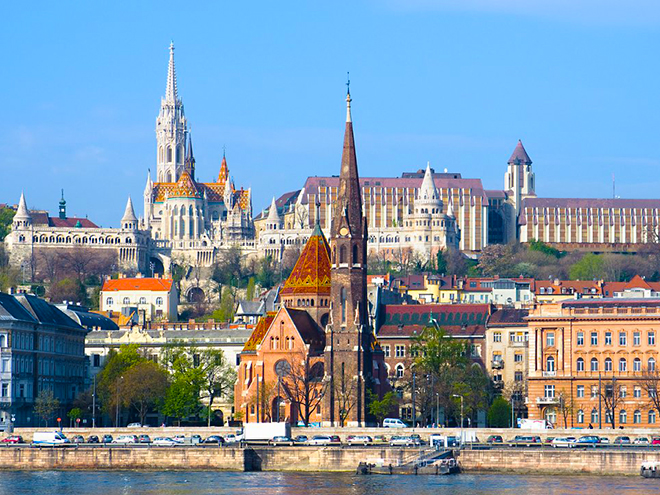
{"x": 456, "y": 83}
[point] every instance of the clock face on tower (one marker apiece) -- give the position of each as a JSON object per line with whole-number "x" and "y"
{"x": 343, "y": 231}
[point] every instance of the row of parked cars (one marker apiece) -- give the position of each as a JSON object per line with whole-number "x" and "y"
{"x": 571, "y": 442}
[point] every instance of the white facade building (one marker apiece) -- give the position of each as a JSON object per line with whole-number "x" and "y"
{"x": 155, "y": 298}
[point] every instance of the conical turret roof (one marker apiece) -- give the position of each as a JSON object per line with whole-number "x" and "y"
{"x": 519, "y": 155}
{"x": 129, "y": 213}
{"x": 311, "y": 274}
{"x": 272, "y": 212}
{"x": 22, "y": 210}
{"x": 428, "y": 191}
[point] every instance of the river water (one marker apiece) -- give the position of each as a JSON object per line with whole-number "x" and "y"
{"x": 203, "y": 483}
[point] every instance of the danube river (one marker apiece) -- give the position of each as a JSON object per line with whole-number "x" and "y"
{"x": 198, "y": 483}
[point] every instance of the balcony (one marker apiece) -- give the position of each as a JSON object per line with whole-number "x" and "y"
{"x": 549, "y": 374}
{"x": 547, "y": 400}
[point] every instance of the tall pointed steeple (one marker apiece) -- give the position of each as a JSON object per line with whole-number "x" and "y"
{"x": 273, "y": 216}
{"x": 189, "y": 162}
{"x": 171, "y": 130}
{"x": 62, "y": 212}
{"x": 129, "y": 220}
{"x": 171, "y": 92}
{"x": 22, "y": 210}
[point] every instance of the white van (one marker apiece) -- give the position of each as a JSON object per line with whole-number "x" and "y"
{"x": 49, "y": 438}
{"x": 393, "y": 423}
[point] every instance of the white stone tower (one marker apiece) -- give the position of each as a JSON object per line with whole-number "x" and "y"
{"x": 171, "y": 129}
{"x": 519, "y": 184}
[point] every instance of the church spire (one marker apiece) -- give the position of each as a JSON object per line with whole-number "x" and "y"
{"x": 428, "y": 190}
{"x": 22, "y": 210}
{"x": 189, "y": 162}
{"x": 348, "y": 99}
{"x": 171, "y": 93}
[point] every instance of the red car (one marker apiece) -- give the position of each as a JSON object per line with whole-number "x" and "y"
{"x": 13, "y": 439}
{"x": 655, "y": 441}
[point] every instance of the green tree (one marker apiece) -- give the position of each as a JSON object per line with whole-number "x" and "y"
{"x": 590, "y": 267}
{"x": 182, "y": 399}
{"x": 68, "y": 289}
{"x": 6, "y": 217}
{"x": 542, "y": 247}
{"x": 73, "y": 415}
{"x": 250, "y": 289}
{"x": 381, "y": 408}
{"x": 218, "y": 377}
{"x": 226, "y": 310}
{"x": 145, "y": 385}
{"x": 499, "y": 413}
{"x": 45, "y": 405}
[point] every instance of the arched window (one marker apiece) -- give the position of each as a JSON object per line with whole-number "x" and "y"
{"x": 334, "y": 255}
{"x": 580, "y": 364}
{"x": 160, "y": 154}
{"x": 550, "y": 364}
{"x": 343, "y": 304}
{"x": 594, "y": 415}
{"x": 109, "y": 301}
{"x": 580, "y": 416}
{"x": 143, "y": 300}
{"x": 399, "y": 370}
{"x": 623, "y": 365}
{"x": 623, "y": 416}
{"x": 652, "y": 417}
{"x": 651, "y": 364}
{"x": 594, "y": 364}
{"x": 3, "y": 341}
{"x": 127, "y": 300}
{"x": 355, "y": 254}
{"x": 342, "y": 254}
{"x": 637, "y": 417}
{"x": 159, "y": 301}
{"x": 608, "y": 364}
{"x": 637, "y": 364}
{"x": 169, "y": 153}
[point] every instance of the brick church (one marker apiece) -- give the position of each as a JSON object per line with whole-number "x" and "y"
{"x": 316, "y": 359}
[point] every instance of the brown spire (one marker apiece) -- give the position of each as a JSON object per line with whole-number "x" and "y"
{"x": 224, "y": 170}
{"x": 519, "y": 155}
{"x": 348, "y": 211}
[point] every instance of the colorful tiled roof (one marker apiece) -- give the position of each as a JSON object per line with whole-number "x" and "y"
{"x": 152, "y": 284}
{"x": 190, "y": 189}
{"x": 259, "y": 332}
{"x": 311, "y": 274}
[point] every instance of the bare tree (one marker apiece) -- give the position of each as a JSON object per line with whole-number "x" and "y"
{"x": 650, "y": 382}
{"x": 345, "y": 392}
{"x": 611, "y": 396}
{"x": 566, "y": 407}
{"x": 79, "y": 261}
{"x": 304, "y": 384}
{"x": 50, "y": 264}
{"x": 301, "y": 217}
{"x": 263, "y": 399}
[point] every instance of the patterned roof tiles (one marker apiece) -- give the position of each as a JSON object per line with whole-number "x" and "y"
{"x": 311, "y": 274}
{"x": 259, "y": 332}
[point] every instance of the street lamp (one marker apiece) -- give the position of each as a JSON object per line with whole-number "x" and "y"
{"x": 461, "y": 397}
{"x": 437, "y": 409}
{"x": 117, "y": 405}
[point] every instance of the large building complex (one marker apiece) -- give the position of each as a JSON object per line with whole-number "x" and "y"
{"x": 594, "y": 361}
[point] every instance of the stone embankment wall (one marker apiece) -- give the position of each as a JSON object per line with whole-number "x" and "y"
{"x": 557, "y": 461}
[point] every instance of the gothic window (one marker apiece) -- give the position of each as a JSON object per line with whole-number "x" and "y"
{"x": 160, "y": 154}
{"x": 343, "y": 304}
{"x": 179, "y": 157}
{"x": 334, "y": 255}
{"x": 355, "y": 254}
{"x": 169, "y": 154}
{"x": 342, "y": 254}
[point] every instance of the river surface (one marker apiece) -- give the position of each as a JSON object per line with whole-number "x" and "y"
{"x": 203, "y": 483}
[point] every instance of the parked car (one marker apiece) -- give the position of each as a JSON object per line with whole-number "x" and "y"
{"x": 215, "y": 439}
{"x": 195, "y": 439}
{"x": 360, "y": 440}
{"x": 641, "y": 441}
{"x": 134, "y": 425}
{"x": 78, "y": 439}
{"x": 622, "y": 440}
{"x": 232, "y": 438}
{"x": 380, "y": 439}
{"x": 494, "y": 439}
{"x": 586, "y": 441}
{"x": 320, "y": 440}
{"x": 49, "y": 438}
{"x": 92, "y": 439}
{"x": 565, "y": 442}
{"x": 126, "y": 439}
{"x": 165, "y": 442}
{"x": 655, "y": 441}
{"x": 107, "y": 439}
{"x": 604, "y": 440}
{"x": 548, "y": 440}
{"x": 179, "y": 439}
{"x": 523, "y": 440}
{"x": 144, "y": 439}
{"x": 393, "y": 423}
{"x": 13, "y": 439}
{"x": 281, "y": 440}
{"x": 335, "y": 440}
{"x": 300, "y": 439}
{"x": 403, "y": 441}
{"x": 417, "y": 440}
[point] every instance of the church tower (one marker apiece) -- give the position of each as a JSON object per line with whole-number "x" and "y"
{"x": 348, "y": 337}
{"x": 171, "y": 129}
{"x": 519, "y": 184}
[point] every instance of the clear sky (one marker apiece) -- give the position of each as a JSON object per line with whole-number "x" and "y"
{"x": 453, "y": 82}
